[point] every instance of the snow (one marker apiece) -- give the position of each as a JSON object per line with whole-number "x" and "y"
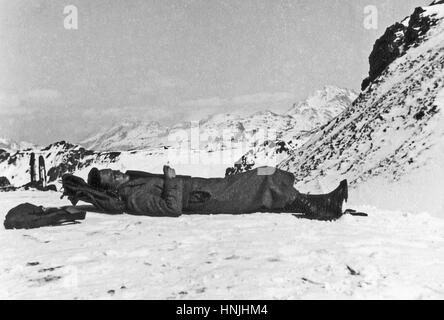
{"x": 437, "y": 11}
{"x": 389, "y": 255}
{"x": 406, "y": 21}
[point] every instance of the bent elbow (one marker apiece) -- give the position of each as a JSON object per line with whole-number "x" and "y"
{"x": 174, "y": 212}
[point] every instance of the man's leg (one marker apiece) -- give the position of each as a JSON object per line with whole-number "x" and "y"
{"x": 258, "y": 190}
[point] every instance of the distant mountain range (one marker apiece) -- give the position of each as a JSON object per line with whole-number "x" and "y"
{"x": 305, "y": 115}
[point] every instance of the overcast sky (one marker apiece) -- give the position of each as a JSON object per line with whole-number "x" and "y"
{"x": 174, "y": 60}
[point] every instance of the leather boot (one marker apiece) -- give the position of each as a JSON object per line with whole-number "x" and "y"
{"x": 323, "y": 206}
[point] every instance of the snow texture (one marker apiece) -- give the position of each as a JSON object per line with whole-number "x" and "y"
{"x": 389, "y": 255}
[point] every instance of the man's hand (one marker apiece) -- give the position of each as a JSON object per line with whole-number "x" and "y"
{"x": 169, "y": 172}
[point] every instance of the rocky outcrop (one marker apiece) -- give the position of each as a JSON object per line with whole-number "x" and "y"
{"x": 4, "y": 182}
{"x": 4, "y": 155}
{"x": 5, "y": 185}
{"x": 397, "y": 39}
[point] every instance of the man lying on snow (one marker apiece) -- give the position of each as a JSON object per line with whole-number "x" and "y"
{"x": 260, "y": 190}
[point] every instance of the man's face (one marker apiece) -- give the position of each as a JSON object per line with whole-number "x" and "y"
{"x": 112, "y": 178}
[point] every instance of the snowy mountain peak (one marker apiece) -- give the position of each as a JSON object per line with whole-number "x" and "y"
{"x": 126, "y": 136}
{"x": 325, "y": 98}
{"x": 322, "y": 106}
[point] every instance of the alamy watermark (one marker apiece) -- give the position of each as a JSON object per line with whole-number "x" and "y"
{"x": 371, "y": 17}
{"x": 212, "y": 146}
{"x": 71, "y": 20}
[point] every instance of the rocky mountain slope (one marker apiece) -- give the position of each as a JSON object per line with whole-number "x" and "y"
{"x": 390, "y": 143}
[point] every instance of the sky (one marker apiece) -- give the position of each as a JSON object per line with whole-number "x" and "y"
{"x": 171, "y": 61}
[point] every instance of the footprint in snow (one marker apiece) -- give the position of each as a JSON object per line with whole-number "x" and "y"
{"x": 35, "y": 239}
{"x": 51, "y": 269}
{"x": 46, "y": 279}
{"x": 233, "y": 257}
{"x": 93, "y": 233}
{"x": 273, "y": 260}
{"x": 201, "y": 290}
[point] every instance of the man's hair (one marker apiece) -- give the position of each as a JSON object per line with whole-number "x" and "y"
{"x": 94, "y": 178}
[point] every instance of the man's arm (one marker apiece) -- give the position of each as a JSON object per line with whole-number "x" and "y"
{"x": 170, "y": 202}
{"x": 76, "y": 189}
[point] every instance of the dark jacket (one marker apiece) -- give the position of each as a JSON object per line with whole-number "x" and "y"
{"x": 263, "y": 189}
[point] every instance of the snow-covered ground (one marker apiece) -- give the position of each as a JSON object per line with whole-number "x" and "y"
{"x": 259, "y": 256}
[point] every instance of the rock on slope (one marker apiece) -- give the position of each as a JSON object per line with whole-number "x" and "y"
{"x": 390, "y": 143}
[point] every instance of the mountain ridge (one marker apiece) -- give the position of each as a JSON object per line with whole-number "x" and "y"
{"x": 155, "y": 135}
